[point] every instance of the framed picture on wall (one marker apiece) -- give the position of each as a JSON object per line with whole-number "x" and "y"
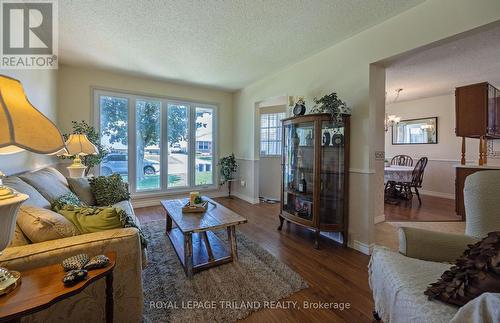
{"x": 415, "y": 132}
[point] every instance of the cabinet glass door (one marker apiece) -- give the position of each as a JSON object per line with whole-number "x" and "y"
{"x": 331, "y": 208}
{"x": 298, "y": 169}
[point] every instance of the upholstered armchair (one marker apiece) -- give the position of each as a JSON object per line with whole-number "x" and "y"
{"x": 398, "y": 280}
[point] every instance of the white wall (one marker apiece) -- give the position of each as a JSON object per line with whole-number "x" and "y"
{"x": 345, "y": 68}
{"x": 270, "y": 177}
{"x": 40, "y": 87}
{"x": 75, "y": 97}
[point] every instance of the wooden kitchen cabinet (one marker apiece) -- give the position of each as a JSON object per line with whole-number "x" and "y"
{"x": 477, "y": 111}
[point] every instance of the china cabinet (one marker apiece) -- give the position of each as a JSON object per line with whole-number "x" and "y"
{"x": 315, "y": 170}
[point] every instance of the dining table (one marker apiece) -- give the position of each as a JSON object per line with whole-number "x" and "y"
{"x": 396, "y": 174}
{"x": 399, "y": 174}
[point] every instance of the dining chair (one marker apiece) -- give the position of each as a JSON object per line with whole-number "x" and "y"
{"x": 416, "y": 179}
{"x": 402, "y": 160}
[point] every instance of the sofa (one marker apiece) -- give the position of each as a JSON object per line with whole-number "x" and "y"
{"x": 88, "y": 306}
{"x": 398, "y": 280}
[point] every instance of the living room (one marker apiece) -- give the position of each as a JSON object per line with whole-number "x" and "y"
{"x": 120, "y": 155}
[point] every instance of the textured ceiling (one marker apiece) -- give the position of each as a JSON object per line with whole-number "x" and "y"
{"x": 471, "y": 58}
{"x": 224, "y": 44}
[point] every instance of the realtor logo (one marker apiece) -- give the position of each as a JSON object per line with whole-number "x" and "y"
{"x": 29, "y": 34}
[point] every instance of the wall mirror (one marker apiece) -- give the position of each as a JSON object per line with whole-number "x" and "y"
{"x": 415, "y": 131}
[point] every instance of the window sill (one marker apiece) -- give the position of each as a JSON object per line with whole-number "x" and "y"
{"x": 172, "y": 192}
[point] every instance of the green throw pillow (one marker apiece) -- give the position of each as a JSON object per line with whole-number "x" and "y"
{"x": 66, "y": 199}
{"x": 109, "y": 190}
{"x": 94, "y": 219}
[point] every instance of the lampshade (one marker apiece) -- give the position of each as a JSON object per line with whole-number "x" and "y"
{"x": 79, "y": 144}
{"x": 22, "y": 126}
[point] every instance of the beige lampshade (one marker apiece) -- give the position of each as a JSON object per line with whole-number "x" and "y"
{"x": 22, "y": 126}
{"x": 79, "y": 144}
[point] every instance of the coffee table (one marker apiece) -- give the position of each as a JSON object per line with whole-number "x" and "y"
{"x": 193, "y": 237}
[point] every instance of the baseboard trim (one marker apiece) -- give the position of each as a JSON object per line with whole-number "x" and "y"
{"x": 438, "y": 194}
{"x": 246, "y": 198}
{"x": 379, "y": 219}
{"x": 362, "y": 247}
{"x": 155, "y": 200}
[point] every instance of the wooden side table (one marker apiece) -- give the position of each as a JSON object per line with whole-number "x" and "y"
{"x": 42, "y": 287}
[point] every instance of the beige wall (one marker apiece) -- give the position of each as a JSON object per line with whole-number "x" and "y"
{"x": 345, "y": 68}
{"x": 40, "y": 87}
{"x": 75, "y": 98}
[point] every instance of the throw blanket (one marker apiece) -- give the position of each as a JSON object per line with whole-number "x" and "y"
{"x": 90, "y": 219}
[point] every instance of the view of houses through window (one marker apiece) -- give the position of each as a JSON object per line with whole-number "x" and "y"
{"x": 132, "y": 129}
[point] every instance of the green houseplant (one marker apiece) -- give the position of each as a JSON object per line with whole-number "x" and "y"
{"x": 82, "y": 127}
{"x": 228, "y": 168}
{"x": 332, "y": 104}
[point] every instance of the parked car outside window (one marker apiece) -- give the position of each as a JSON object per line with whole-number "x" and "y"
{"x": 118, "y": 163}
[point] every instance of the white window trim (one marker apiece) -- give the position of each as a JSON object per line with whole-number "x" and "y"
{"x": 132, "y": 153}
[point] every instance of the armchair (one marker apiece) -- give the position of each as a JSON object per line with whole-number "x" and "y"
{"x": 398, "y": 280}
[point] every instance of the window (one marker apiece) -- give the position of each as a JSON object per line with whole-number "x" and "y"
{"x": 204, "y": 137}
{"x": 156, "y": 144}
{"x": 178, "y": 139}
{"x": 147, "y": 141}
{"x": 114, "y": 134}
{"x": 270, "y": 133}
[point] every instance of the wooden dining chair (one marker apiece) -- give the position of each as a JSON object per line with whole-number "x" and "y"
{"x": 416, "y": 180}
{"x": 402, "y": 160}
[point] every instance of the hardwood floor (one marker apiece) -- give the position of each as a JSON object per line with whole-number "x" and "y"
{"x": 334, "y": 274}
{"x": 433, "y": 209}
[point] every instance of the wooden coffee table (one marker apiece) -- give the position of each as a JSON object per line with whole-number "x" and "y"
{"x": 193, "y": 239}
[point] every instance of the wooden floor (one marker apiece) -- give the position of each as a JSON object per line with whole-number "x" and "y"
{"x": 433, "y": 209}
{"x": 333, "y": 273}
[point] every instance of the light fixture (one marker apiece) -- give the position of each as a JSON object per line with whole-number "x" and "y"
{"x": 22, "y": 127}
{"x": 390, "y": 120}
{"x": 79, "y": 145}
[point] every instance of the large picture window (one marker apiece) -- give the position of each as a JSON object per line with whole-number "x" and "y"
{"x": 156, "y": 144}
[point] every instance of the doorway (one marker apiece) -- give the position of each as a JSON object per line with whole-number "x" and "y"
{"x": 269, "y": 114}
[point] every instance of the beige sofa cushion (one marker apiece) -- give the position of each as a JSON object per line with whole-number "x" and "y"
{"x": 81, "y": 187}
{"x": 43, "y": 225}
{"x": 36, "y": 199}
{"x": 48, "y": 182}
{"x": 19, "y": 239}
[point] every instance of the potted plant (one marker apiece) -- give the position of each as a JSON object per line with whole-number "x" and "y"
{"x": 332, "y": 104}
{"x": 228, "y": 168}
{"x": 81, "y": 127}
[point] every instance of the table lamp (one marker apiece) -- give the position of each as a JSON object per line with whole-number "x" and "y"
{"x": 22, "y": 127}
{"x": 79, "y": 145}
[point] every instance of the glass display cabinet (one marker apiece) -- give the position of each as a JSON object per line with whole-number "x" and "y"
{"x": 315, "y": 170}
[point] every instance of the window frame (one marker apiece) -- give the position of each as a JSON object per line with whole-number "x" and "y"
{"x": 132, "y": 98}
{"x": 278, "y": 132}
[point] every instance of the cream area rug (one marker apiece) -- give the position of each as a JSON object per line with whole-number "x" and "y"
{"x": 221, "y": 294}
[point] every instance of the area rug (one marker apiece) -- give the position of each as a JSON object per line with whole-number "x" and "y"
{"x": 221, "y": 294}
